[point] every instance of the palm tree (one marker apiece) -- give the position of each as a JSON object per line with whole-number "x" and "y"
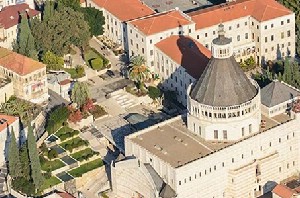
{"x": 138, "y": 71}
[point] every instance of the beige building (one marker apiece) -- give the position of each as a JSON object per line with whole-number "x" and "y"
{"x": 144, "y": 33}
{"x": 27, "y": 75}
{"x": 7, "y": 125}
{"x": 179, "y": 61}
{"x": 220, "y": 148}
{"x": 264, "y": 29}
{"x": 9, "y": 20}
{"x": 6, "y": 89}
{"x": 117, "y": 13}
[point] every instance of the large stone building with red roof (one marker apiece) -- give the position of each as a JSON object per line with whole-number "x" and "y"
{"x": 9, "y": 20}
{"x": 28, "y": 76}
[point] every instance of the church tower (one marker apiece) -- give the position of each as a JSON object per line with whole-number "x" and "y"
{"x": 224, "y": 104}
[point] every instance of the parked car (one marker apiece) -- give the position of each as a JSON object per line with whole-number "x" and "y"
{"x": 110, "y": 73}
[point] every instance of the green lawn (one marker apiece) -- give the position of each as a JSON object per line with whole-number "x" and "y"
{"x": 78, "y": 172}
{"x": 91, "y": 54}
{"x": 75, "y": 72}
{"x": 51, "y": 165}
{"x": 66, "y": 132}
{"x": 73, "y": 143}
{"x": 84, "y": 154}
{"x": 52, "y": 181}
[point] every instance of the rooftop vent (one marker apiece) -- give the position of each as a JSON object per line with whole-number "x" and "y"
{"x": 158, "y": 147}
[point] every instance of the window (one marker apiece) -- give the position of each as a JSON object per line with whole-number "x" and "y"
{"x": 136, "y": 35}
{"x": 282, "y": 23}
{"x": 179, "y": 183}
{"x": 150, "y": 41}
{"x": 214, "y": 32}
{"x": 232, "y": 160}
{"x": 266, "y": 27}
{"x": 287, "y": 137}
{"x": 282, "y": 46}
{"x": 288, "y": 166}
{"x": 282, "y": 35}
{"x": 238, "y": 25}
{"x": 272, "y": 37}
{"x": 197, "y": 36}
{"x": 131, "y": 42}
{"x": 266, "y": 50}
{"x": 279, "y": 169}
{"x": 258, "y": 39}
{"x": 279, "y": 140}
{"x": 143, "y": 51}
{"x": 207, "y": 46}
{"x": 288, "y": 21}
{"x": 238, "y": 38}
{"x": 246, "y": 23}
{"x": 246, "y": 36}
{"x": 289, "y": 33}
{"x": 242, "y": 156}
{"x": 223, "y": 164}
{"x": 257, "y": 27}
{"x": 215, "y": 167}
{"x": 289, "y": 43}
{"x": 190, "y": 178}
{"x": 252, "y": 23}
{"x": 151, "y": 52}
{"x": 272, "y": 25}
{"x": 266, "y": 39}
{"x": 190, "y": 30}
{"x": 250, "y": 128}
{"x": 270, "y": 144}
{"x": 225, "y": 134}
{"x": 243, "y": 132}
{"x": 205, "y": 34}
{"x": 215, "y": 134}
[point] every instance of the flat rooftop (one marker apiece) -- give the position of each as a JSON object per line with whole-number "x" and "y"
{"x": 185, "y": 6}
{"x": 176, "y": 145}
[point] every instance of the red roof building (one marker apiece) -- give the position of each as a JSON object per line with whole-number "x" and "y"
{"x": 10, "y": 15}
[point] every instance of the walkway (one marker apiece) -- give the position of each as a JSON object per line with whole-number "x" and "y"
{"x": 3, "y": 174}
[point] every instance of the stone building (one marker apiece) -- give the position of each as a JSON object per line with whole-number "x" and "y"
{"x": 9, "y": 20}
{"x": 27, "y": 75}
{"x": 220, "y": 148}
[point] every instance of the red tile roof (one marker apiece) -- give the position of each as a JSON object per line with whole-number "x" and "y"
{"x": 187, "y": 52}
{"x": 18, "y": 63}
{"x": 9, "y": 121}
{"x": 161, "y": 22}
{"x": 283, "y": 191}
{"x": 261, "y": 10}
{"x": 64, "y": 195}
{"x": 9, "y": 16}
{"x": 125, "y": 9}
{"x": 65, "y": 82}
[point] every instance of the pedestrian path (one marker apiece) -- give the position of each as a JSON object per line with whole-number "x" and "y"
{"x": 124, "y": 99}
{"x": 3, "y": 175}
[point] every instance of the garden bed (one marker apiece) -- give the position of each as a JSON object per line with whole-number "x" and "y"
{"x": 95, "y": 60}
{"x": 84, "y": 154}
{"x": 50, "y": 165}
{"x": 135, "y": 92}
{"x": 98, "y": 111}
{"x": 78, "y": 172}
{"x": 66, "y": 132}
{"x": 76, "y": 73}
{"x": 48, "y": 183}
{"x": 74, "y": 143}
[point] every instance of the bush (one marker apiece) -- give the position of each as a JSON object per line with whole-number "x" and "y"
{"x": 52, "y": 154}
{"x": 154, "y": 92}
{"x": 98, "y": 111}
{"x": 97, "y": 64}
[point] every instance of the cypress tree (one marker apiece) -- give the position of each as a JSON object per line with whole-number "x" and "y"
{"x": 35, "y": 165}
{"x": 25, "y": 43}
{"x": 13, "y": 157}
{"x": 25, "y": 164}
{"x": 287, "y": 74}
{"x": 48, "y": 10}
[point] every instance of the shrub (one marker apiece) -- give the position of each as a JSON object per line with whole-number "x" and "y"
{"x": 98, "y": 111}
{"x": 69, "y": 147}
{"x": 97, "y": 63}
{"x": 52, "y": 154}
{"x": 154, "y": 92}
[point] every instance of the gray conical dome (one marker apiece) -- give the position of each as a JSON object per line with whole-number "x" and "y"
{"x": 223, "y": 83}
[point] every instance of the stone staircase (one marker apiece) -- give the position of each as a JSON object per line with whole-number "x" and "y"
{"x": 124, "y": 99}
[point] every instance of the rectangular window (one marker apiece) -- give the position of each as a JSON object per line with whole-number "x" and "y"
{"x": 266, "y": 39}
{"x": 272, "y": 25}
{"x": 288, "y": 21}
{"x": 246, "y": 36}
{"x": 282, "y": 23}
{"x": 225, "y": 134}
{"x": 205, "y": 34}
{"x": 197, "y": 36}
{"x": 282, "y": 35}
{"x": 215, "y": 134}
{"x": 250, "y": 128}
{"x": 143, "y": 51}
{"x": 243, "y": 132}
{"x": 266, "y": 27}
{"x": 288, "y": 33}
{"x": 238, "y": 25}
{"x": 272, "y": 37}
{"x": 151, "y": 52}
{"x": 150, "y": 41}
{"x": 230, "y": 28}
{"x": 246, "y": 23}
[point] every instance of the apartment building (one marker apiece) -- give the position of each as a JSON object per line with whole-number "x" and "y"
{"x": 180, "y": 61}
{"x": 5, "y": 3}
{"x": 117, "y": 13}
{"x": 27, "y": 75}
{"x": 264, "y": 29}
{"x": 144, "y": 33}
{"x": 9, "y": 20}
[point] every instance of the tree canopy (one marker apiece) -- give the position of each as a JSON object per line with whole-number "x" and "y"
{"x": 80, "y": 93}
{"x": 95, "y": 19}
{"x": 52, "y": 61}
{"x": 64, "y": 28}
{"x": 25, "y": 43}
{"x": 14, "y": 163}
{"x": 138, "y": 71}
